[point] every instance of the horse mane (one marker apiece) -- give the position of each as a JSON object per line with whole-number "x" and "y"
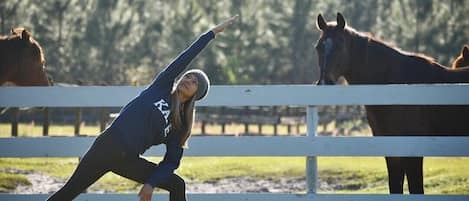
{"x": 389, "y": 45}
{"x": 38, "y": 50}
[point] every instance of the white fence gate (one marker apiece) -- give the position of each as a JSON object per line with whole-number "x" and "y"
{"x": 309, "y": 146}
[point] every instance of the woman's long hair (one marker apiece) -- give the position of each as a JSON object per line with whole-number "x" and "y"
{"x": 182, "y": 117}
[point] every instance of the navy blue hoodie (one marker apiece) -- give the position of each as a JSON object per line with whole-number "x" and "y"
{"x": 145, "y": 120}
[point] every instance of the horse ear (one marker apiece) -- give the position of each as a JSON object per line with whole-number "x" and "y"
{"x": 321, "y": 23}
{"x": 25, "y": 35}
{"x": 465, "y": 51}
{"x": 340, "y": 21}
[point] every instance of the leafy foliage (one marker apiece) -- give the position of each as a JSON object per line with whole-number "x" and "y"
{"x": 122, "y": 42}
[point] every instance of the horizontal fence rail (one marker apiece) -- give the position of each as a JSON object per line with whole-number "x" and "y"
{"x": 309, "y": 147}
{"x": 256, "y": 146}
{"x": 248, "y": 95}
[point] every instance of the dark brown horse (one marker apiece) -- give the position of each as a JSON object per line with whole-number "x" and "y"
{"x": 463, "y": 59}
{"x": 22, "y": 60}
{"x": 363, "y": 59}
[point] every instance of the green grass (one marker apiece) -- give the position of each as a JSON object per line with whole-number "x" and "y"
{"x": 368, "y": 175}
{"x": 9, "y": 181}
{"x": 214, "y": 168}
{"x": 349, "y": 175}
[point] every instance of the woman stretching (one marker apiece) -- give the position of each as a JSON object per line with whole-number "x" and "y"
{"x": 163, "y": 113}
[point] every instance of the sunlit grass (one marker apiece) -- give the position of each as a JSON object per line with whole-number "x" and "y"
{"x": 194, "y": 168}
{"x": 9, "y": 181}
{"x": 348, "y": 175}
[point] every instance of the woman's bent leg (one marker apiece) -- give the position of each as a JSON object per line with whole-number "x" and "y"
{"x": 176, "y": 187}
{"x": 139, "y": 170}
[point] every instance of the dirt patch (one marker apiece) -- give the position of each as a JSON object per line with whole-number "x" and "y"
{"x": 248, "y": 184}
{"x": 42, "y": 183}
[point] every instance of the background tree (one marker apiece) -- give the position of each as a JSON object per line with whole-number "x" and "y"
{"x": 126, "y": 42}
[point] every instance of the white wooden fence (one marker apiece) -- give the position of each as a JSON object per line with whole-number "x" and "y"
{"x": 271, "y": 95}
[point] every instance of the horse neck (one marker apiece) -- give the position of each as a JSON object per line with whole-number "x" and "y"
{"x": 376, "y": 63}
{"x": 5, "y": 58}
{"x": 425, "y": 70}
{"x": 362, "y": 68}
{"x": 458, "y": 75}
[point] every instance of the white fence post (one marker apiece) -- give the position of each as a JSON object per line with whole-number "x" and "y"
{"x": 311, "y": 161}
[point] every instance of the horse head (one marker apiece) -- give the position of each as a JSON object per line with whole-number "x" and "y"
{"x": 24, "y": 62}
{"x": 333, "y": 49}
{"x": 463, "y": 59}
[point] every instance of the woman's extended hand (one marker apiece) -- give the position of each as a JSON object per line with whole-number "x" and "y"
{"x": 146, "y": 192}
{"x": 222, "y": 26}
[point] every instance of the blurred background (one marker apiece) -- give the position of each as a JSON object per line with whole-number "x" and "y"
{"x": 91, "y": 42}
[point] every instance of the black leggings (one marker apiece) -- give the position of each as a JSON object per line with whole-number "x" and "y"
{"x": 106, "y": 155}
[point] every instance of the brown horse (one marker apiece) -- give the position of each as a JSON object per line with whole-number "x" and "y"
{"x": 363, "y": 59}
{"x": 22, "y": 60}
{"x": 463, "y": 59}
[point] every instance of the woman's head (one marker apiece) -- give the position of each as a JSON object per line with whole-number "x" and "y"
{"x": 193, "y": 84}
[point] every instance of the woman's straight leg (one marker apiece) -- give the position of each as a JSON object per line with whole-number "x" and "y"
{"x": 94, "y": 164}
